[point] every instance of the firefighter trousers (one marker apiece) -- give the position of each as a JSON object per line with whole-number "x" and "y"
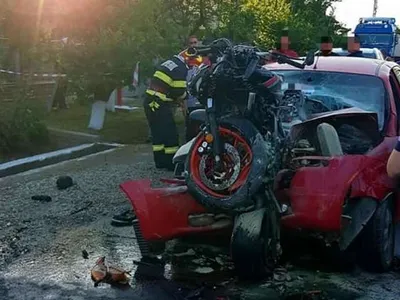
{"x": 163, "y": 129}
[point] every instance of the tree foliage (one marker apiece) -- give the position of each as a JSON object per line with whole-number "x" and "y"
{"x": 107, "y": 37}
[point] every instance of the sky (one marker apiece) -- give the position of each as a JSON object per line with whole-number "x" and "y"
{"x": 350, "y": 11}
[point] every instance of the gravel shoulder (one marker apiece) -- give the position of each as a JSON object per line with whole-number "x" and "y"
{"x": 41, "y": 242}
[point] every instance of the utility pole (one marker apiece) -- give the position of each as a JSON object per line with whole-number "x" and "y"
{"x": 375, "y": 10}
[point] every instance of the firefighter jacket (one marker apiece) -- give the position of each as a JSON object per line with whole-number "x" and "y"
{"x": 169, "y": 81}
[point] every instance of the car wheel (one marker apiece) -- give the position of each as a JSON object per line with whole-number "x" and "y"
{"x": 253, "y": 245}
{"x": 329, "y": 140}
{"x": 377, "y": 243}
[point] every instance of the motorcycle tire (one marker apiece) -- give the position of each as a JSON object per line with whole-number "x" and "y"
{"x": 252, "y": 235}
{"x": 241, "y": 199}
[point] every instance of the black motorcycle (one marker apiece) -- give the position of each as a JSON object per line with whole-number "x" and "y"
{"x": 231, "y": 164}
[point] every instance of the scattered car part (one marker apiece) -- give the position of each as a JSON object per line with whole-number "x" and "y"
{"x": 64, "y": 182}
{"x": 42, "y": 198}
{"x": 85, "y": 254}
{"x": 102, "y": 272}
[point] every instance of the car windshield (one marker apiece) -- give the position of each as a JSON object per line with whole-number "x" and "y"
{"x": 339, "y": 90}
{"x": 367, "y": 39}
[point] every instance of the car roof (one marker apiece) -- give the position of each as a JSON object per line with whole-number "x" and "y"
{"x": 365, "y": 50}
{"x": 365, "y": 66}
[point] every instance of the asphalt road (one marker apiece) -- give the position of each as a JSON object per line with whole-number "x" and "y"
{"x": 41, "y": 244}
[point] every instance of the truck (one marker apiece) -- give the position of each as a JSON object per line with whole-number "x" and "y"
{"x": 381, "y": 33}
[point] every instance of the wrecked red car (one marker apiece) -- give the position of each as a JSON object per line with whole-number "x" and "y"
{"x": 333, "y": 183}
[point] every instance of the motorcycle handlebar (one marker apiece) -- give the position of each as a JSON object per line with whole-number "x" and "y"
{"x": 291, "y": 62}
{"x": 283, "y": 59}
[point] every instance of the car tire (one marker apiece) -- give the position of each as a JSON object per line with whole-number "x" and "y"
{"x": 377, "y": 239}
{"x": 329, "y": 140}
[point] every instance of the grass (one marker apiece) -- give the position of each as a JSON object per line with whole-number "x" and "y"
{"x": 126, "y": 127}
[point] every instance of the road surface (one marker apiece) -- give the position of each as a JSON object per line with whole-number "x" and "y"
{"x": 41, "y": 243}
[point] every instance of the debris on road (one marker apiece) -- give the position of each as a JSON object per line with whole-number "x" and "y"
{"x": 64, "y": 182}
{"x": 85, "y": 254}
{"x": 42, "y": 198}
{"x": 101, "y": 272}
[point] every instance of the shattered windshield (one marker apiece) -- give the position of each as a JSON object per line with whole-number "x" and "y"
{"x": 367, "y": 39}
{"x": 340, "y": 90}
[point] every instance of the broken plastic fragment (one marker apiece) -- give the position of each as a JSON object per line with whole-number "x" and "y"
{"x": 101, "y": 272}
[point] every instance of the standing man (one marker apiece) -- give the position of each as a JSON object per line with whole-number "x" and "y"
{"x": 326, "y": 47}
{"x": 353, "y": 46}
{"x": 192, "y": 103}
{"x": 282, "y": 47}
{"x": 167, "y": 86}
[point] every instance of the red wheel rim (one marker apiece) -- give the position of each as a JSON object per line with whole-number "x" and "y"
{"x": 246, "y": 157}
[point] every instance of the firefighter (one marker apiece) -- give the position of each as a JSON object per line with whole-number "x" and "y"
{"x": 167, "y": 86}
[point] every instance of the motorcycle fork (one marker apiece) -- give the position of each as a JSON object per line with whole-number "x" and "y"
{"x": 213, "y": 127}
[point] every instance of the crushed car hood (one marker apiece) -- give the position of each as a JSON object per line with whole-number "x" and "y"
{"x": 348, "y": 115}
{"x": 353, "y": 111}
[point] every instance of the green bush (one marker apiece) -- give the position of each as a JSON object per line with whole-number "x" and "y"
{"x": 21, "y": 131}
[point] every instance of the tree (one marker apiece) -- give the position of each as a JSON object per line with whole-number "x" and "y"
{"x": 310, "y": 20}
{"x": 107, "y": 37}
{"x": 270, "y": 16}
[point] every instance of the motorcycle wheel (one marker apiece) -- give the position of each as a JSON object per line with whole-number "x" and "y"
{"x": 225, "y": 190}
{"x": 255, "y": 244}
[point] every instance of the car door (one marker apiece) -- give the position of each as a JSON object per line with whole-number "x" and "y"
{"x": 395, "y": 85}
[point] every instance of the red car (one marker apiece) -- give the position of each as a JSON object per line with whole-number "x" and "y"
{"x": 333, "y": 183}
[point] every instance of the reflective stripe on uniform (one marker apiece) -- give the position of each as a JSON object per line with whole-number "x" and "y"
{"x": 171, "y": 150}
{"x": 157, "y": 148}
{"x": 162, "y": 96}
{"x": 154, "y": 105}
{"x": 168, "y": 80}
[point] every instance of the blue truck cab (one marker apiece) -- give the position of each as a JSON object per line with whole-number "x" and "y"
{"x": 377, "y": 33}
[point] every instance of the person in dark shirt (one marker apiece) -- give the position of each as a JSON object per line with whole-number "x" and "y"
{"x": 327, "y": 46}
{"x": 353, "y": 46}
